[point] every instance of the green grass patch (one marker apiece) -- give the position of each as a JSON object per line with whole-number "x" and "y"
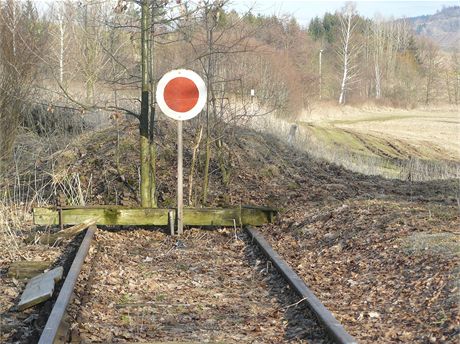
{"x": 447, "y": 244}
{"x": 372, "y": 119}
{"x": 371, "y": 145}
{"x": 337, "y": 137}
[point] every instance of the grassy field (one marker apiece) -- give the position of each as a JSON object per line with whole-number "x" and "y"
{"x": 420, "y": 144}
{"x": 400, "y": 134}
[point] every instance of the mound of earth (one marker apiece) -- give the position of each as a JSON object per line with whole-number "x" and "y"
{"x": 261, "y": 171}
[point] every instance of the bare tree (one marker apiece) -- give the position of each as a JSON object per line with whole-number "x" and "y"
{"x": 21, "y": 41}
{"x": 455, "y": 77}
{"x": 144, "y": 115}
{"x": 378, "y": 43}
{"x": 61, "y": 18}
{"x": 348, "y": 49}
{"x": 220, "y": 42}
{"x": 430, "y": 62}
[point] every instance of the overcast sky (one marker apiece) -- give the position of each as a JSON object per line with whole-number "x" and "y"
{"x": 305, "y": 10}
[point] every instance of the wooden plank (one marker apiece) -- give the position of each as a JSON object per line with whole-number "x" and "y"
{"x": 51, "y": 239}
{"x": 40, "y": 288}
{"x": 109, "y": 216}
{"x": 113, "y": 216}
{"x": 27, "y": 269}
{"x": 253, "y": 216}
{"x": 212, "y": 217}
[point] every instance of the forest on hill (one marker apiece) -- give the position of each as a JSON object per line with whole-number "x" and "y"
{"x": 87, "y": 55}
{"x": 442, "y": 27}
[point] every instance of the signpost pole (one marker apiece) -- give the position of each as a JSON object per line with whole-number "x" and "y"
{"x": 181, "y": 95}
{"x": 180, "y": 178}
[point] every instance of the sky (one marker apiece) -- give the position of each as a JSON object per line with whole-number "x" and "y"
{"x": 305, "y": 10}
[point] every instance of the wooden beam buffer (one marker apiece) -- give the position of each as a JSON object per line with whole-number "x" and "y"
{"x": 120, "y": 216}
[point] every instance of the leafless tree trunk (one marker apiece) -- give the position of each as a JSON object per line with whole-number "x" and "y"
{"x": 378, "y": 43}
{"x": 61, "y": 49}
{"x": 347, "y": 50}
{"x": 62, "y": 14}
{"x": 144, "y": 116}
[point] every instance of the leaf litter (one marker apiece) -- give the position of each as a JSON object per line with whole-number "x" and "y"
{"x": 207, "y": 286}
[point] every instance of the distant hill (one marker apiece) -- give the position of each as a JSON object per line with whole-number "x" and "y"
{"x": 443, "y": 27}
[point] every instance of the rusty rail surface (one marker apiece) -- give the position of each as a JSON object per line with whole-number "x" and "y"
{"x": 335, "y": 330}
{"x": 50, "y": 331}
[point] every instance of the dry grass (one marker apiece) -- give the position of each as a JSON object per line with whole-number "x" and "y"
{"x": 434, "y": 132}
{"x": 405, "y": 144}
{"x": 32, "y": 180}
{"x": 11, "y": 218}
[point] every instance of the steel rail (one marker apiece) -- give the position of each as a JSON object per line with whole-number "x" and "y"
{"x": 50, "y": 331}
{"x": 336, "y": 331}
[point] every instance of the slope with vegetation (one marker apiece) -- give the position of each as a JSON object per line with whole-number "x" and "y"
{"x": 418, "y": 144}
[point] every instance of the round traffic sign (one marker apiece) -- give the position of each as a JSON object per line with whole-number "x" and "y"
{"x": 181, "y": 94}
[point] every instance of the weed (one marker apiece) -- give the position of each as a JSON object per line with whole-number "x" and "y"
{"x": 270, "y": 171}
{"x": 438, "y": 243}
{"x": 126, "y": 298}
{"x": 182, "y": 267}
{"x": 125, "y": 319}
{"x": 293, "y": 186}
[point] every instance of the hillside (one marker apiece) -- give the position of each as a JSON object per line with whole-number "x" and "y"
{"x": 442, "y": 27}
{"x": 381, "y": 254}
{"x": 261, "y": 168}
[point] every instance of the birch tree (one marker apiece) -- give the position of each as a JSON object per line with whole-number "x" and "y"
{"x": 62, "y": 17}
{"x": 348, "y": 49}
{"x": 378, "y": 44}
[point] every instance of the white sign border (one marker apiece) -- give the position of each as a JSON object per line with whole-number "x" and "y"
{"x": 202, "y": 94}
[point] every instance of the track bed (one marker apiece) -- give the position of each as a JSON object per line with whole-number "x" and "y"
{"x": 146, "y": 286}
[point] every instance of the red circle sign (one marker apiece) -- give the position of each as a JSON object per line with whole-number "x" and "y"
{"x": 181, "y": 94}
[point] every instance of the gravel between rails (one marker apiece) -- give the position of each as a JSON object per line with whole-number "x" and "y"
{"x": 207, "y": 286}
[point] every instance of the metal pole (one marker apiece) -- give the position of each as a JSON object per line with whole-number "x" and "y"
{"x": 171, "y": 221}
{"x": 180, "y": 176}
{"x": 320, "y": 73}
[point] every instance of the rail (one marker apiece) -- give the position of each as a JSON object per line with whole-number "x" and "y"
{"x": 50, "y": 331}
{"x": 330, "y": 323}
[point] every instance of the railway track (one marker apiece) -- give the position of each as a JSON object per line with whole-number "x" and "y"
{"x": 203, "y": 287}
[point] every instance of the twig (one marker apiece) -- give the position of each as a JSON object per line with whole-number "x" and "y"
{"x": 295, "y": 304}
